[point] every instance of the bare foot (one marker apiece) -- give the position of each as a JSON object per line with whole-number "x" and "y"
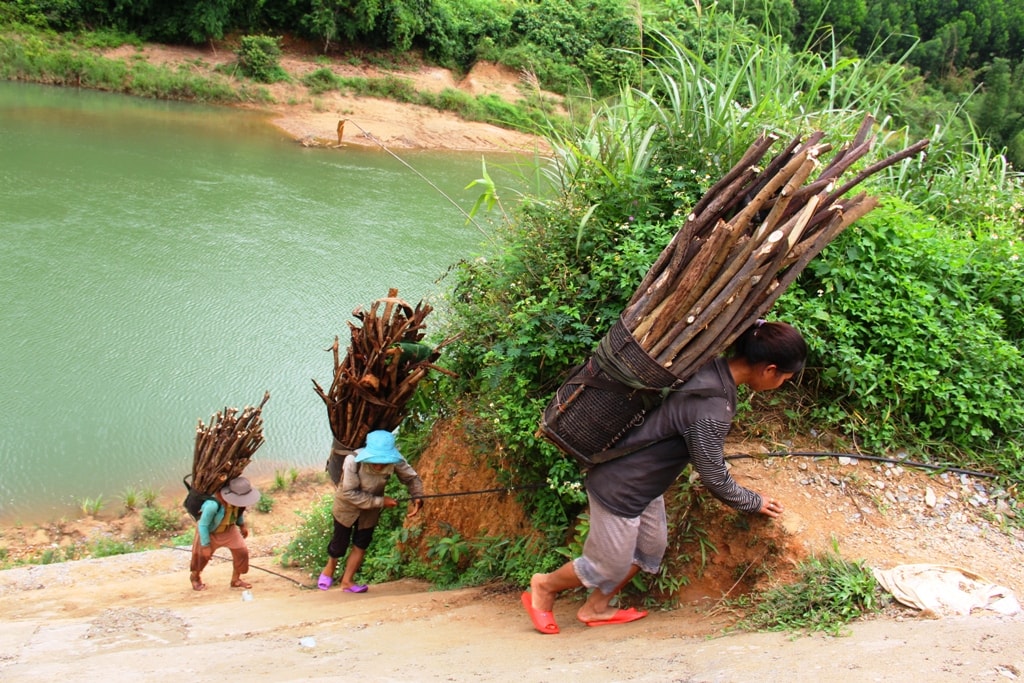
{"x": 238, "y": 583}
{"x": 197, "y": 583}
{"x": 542, "y": 599}
{"x": 615, "y": 616}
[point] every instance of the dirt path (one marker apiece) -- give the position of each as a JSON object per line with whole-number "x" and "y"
{"x": 133, "y": 618}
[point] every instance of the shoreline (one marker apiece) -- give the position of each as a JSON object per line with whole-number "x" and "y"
{"x": 312, "y": 119}
{"x": 166, "y": 493}
{"x": 292, "y": 494}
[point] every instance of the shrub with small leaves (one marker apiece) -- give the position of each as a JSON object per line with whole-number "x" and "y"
{"x": 265, "y": 504}
{"x": 183, "y": 539}
{"x": 308, "y": 549}
{"x": 107, "y": 547}
{"x": 258, "y": 59}
{"x": 159, "y": 519}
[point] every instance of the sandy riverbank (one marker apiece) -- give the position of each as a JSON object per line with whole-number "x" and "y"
{"x": 370, "y": 122}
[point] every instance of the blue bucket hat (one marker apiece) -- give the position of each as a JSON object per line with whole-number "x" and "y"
{"x": 380, "y": 449}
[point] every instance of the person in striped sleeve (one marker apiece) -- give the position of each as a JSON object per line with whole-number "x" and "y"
{"x": 628, "y": 527}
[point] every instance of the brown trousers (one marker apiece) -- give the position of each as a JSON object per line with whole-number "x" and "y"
{"x": 231, "y": 539}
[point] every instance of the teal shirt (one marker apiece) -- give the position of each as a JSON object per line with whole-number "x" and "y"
{"x": 210, "y": 518}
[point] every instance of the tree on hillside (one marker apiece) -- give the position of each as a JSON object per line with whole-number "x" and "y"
{"x": 999, "y": 112}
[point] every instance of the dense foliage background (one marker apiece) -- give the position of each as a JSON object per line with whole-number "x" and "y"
{"x": 913, "y": 315}
{"x": 965, "y": 56}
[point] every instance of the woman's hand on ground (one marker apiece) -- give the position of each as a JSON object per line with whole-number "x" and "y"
{"x": 771, "y": 507}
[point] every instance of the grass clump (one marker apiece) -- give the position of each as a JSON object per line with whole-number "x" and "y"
{"x": 828, "y": 594}
{"x": 108, "y": 547}
{"x": 92, "y": 506}
{"x": 130, "y": 497}
{"x": 265, "y": 504}
{"x": 158, "y": 519}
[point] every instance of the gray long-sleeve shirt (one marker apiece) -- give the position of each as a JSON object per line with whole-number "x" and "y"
{"x": 689, "y": 427}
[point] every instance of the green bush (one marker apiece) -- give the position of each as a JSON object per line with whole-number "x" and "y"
{"x": 158, "y": 519}
{"x": 106, "y": 547}
{"x": 183, "y": 539}
{"x": 258, "y": 58}
{"x": 384, "y": 560}
{"x": 914, "y": 329}
{"x": 322, "y": 80}
{"x": 265, "y": 504}
{"x": 308, "y": 548}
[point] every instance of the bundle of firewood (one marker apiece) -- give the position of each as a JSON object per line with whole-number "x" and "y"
{"x": 744, "y": 243}
{"x": 385, "y": 361}
{"x": 224, "y": 447}
{"x": 739, "y": 249}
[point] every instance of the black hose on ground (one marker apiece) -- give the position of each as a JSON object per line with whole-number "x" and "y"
{"x": 862, "y": 456}
{"x": 251, "y": 566}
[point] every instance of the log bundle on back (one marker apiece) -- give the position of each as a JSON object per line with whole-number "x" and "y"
{"x": 739, "y": 249}
{"x": 385, "y": 361}
{"x": 224, "y": 447}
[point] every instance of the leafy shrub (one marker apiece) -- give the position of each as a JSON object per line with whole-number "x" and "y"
{"x": 321, "y": 80}
{"x": 157, "y": 519}
{"x": 107, "y": 38}
{"x": 265, "y": 504}
{"x": 258, "y": 58}
{"x": 450, "y": 555}
{"x": 107, "y": 547}
{"x": 183, "y": 539}
{"x": 914, "y": 329}
{"x": 308, "y": 548}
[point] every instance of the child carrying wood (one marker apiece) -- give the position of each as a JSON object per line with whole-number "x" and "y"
{"x": 359, "y": 501}
{"x": 221, "y": 524}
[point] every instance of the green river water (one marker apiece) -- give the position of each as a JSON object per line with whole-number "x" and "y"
{"x": 161, "y": 261}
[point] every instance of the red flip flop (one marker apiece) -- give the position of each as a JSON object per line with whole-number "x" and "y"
{"x": 623, "y": 616}
{"x": 542, "y": 621}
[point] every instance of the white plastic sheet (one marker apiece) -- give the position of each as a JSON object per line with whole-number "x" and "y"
{"x": 939, "y": 590}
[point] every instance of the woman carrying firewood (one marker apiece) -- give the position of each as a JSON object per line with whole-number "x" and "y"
{"x": 359, "y": 501}
{"x": 628, "y": 527}
{"x": 222, "y": 525}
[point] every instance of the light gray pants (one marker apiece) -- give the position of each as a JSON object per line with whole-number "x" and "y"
{"x": 614, "y": 544}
